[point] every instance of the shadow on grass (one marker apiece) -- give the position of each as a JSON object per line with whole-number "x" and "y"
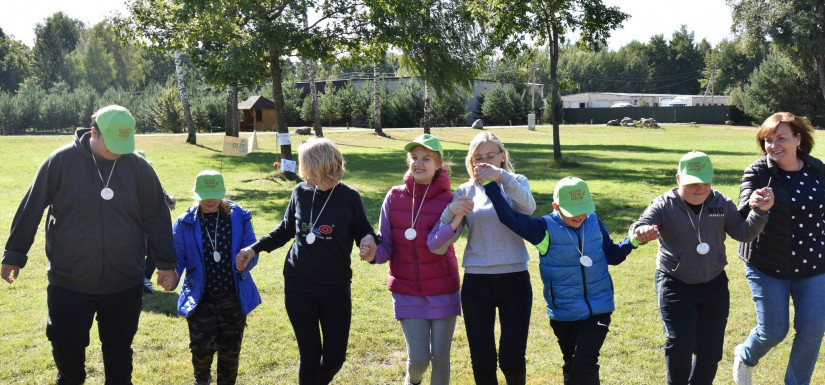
{"x": 161, "y": 302}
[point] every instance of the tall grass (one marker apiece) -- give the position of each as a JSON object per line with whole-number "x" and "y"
{"x": 624, "y": 167}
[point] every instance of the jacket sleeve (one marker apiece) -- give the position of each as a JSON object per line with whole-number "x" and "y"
{"x": 614, "y": 253}
{"x": 744, "y": 229}
{"x": 179, "y": 237}
{"x": 517, "y": 187}
{"x": 362, "y": 226}
{"x": 534, "y": 230}
{"x": 24, "y": 225}
{"x": 750, "y": 183}
{"x": 285, "y": 231}
{"x": 248, "y": 237}
{"x": 651, "y": 216}
{"x": 156, "y": 219}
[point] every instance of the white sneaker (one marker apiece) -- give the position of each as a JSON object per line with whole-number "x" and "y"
{"x": 742, "y": 373}
{"x": 147, "y": 286}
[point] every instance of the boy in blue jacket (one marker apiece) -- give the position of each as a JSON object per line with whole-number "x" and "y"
{"x": 575, "y": 249}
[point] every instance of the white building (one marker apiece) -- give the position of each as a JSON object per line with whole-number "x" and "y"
{"x": 608, "y": 99}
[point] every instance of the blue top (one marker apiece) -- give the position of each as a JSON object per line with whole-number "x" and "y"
{"x": 572, "y": 290}
{"x": 189, "y": 247}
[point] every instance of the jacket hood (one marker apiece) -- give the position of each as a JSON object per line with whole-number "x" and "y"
{"x": 441, "y": 183}
{"x": 82, "y": 136}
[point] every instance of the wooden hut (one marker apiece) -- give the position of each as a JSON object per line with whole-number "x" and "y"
{"x": 256, "y": 114}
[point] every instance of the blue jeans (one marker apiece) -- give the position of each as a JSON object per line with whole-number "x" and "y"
{"x": 772, "y": 299}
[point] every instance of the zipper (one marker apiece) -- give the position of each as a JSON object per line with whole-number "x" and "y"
{"x": 584, "y": 276}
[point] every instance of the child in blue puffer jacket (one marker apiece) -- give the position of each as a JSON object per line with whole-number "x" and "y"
{"x": 217, "y": 294}
{"x": 575, "y": 249}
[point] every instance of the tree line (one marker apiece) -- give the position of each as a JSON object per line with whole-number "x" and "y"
{"x": 231, "y": 50}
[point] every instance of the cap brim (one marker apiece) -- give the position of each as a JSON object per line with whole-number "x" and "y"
{"x": 119, "y": 146}
{"x": 692, "y": 179}
{"x": 578, "y": 209}
{"x": 206, "y": 195}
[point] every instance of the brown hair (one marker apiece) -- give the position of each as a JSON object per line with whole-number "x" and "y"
{"x": 799, "y": 126}
{"x": 321, "y": 160}
{"x": 224, "y": 210}
{"x": 443, "y": 166}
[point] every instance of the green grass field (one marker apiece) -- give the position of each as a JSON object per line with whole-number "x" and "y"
{"x": 624, "y": 167}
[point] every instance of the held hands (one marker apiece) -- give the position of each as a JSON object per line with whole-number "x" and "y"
{"x": 462, "y": 206}
{"x": 483, "y": 172}
{"x": 762, "y": 198}
{"x": 368, "y": 248}
{"x": 167, "y": 279}
{"x": 172, "y": 202}
{"x": 646, "y": 233}
{"x": 10, "y": 272}
{"x": 242, "y": 259}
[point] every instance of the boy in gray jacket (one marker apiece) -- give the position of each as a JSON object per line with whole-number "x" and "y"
{"x": 691, "y": 285}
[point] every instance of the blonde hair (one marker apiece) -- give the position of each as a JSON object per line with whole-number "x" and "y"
{"x": 320, "y": 160}
{"x": 477, "y": 142}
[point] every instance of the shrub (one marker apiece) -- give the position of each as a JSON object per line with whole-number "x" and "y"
{"x": 449, "y": 110}
{"x": 168, "y": 113}
{"x": 502, "y": 105}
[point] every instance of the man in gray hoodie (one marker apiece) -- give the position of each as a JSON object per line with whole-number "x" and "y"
{"x": 102, "y": 201}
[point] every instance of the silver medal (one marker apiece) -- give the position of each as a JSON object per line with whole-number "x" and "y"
{"x": 107, "y": 193}
{"x": 216, "y": 256}
{"x": 586, "y": 261}
{"x": 310, "y": 238}
{"x": 702, "y": 248}
{"x": 410, "y": 234}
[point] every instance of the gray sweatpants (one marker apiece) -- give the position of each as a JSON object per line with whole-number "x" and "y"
{"x": 428, "y": 339}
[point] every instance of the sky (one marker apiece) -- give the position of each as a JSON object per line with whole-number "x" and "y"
{"x": 708, "y": 19}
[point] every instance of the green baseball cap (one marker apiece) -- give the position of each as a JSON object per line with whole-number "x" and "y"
{"x": 117, "y": 126}
{"x": 209, "y": 185}
{"x": 428, "y": 141}
{"x": 143, "y": 154}
{"x": 695, "y": 167}
{"x": 573, "y": 197}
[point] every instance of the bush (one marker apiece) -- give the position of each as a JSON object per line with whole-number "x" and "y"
{"x": 57, "y": 109}
{"x": 502, "y": 105}
{"x": 403, "y": 106}
{"x": 449, "y": 110}
{"x": 168, "y": 113}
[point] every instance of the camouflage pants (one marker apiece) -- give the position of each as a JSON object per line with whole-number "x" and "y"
{"x": 216, "y": 325}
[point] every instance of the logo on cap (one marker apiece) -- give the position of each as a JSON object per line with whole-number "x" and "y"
{"x": 695, "y": 166}
{"x": 576, "y": 195}
{"x": 210, "y": 183}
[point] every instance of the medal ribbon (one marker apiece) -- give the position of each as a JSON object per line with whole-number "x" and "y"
{"x": 217, "y": 220}
{"x": 413, "y": 214}
{"x": 105, "y": 184}
{"x": 312, "y": 207}
{"x": 698, "y": 226}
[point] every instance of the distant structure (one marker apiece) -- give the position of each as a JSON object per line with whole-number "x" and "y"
{"x": 610, "y": 99}
{"x": 256, "y": 114}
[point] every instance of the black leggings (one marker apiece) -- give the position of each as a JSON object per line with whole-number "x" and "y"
{"x": 512, "y": 295}
{"x": 321, "y": 324}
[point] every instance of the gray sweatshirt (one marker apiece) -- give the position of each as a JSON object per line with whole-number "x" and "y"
{"x": 93, "y": 246}
{"x": 492, "y": 248}
{"x": 678, "y": 238}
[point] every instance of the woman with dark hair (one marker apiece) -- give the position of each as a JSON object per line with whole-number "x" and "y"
{"x": 787, "y": 259}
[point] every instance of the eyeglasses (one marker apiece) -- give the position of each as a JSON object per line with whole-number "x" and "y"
{"x": 486, "y": 158}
